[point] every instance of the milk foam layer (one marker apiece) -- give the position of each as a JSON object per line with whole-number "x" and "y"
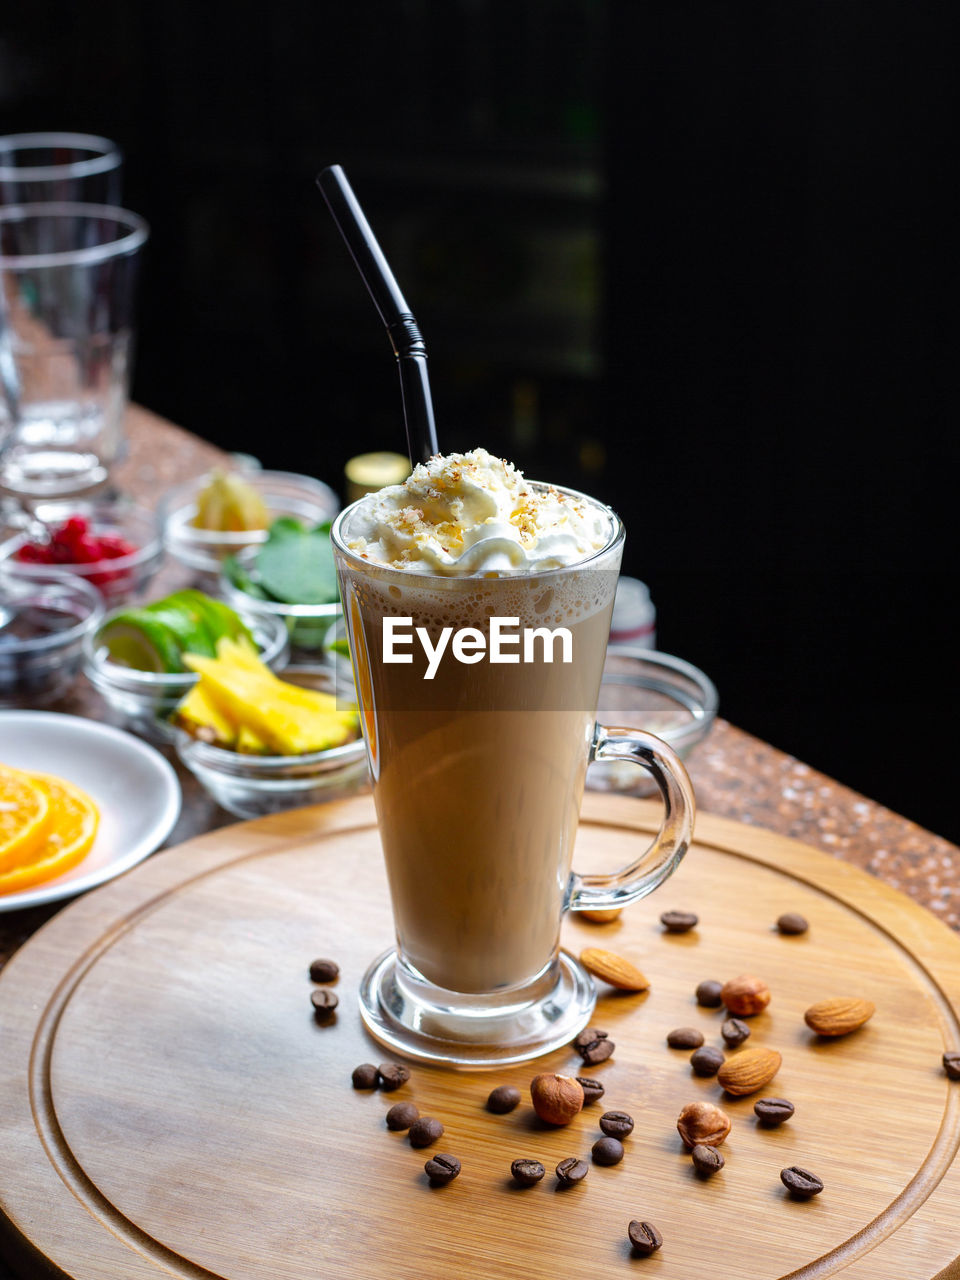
{"x": 474, "y": 514}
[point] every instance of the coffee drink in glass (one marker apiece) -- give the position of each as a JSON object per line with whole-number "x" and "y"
{"x": 477, "y": 607}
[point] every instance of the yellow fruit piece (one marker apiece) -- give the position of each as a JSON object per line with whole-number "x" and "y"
{"x": 24, "y": 816}
{"x": 289, "y": 720}
{"x": 230, "y": 504}
{"x": 74, "y": 819}
{"x": 199, "y": 711}
{"x": 249, "y": 744}
{"x": 311, "y": 700}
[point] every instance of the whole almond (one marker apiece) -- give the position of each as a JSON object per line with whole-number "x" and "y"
{"x": 749, "y": 1070}
{"x": 613, "y": 969}
{"x": 556, "y": 1099}
{"x": 601, "y": 915}
{"x": 746, "y": 995}
{"x": 702, "y": 1124}
{"x": 838, "y": 1017}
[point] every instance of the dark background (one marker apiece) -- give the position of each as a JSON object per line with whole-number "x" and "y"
{"x": 695, "y": 258}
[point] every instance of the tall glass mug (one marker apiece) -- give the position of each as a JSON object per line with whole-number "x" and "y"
{"x": 478, "y": 755}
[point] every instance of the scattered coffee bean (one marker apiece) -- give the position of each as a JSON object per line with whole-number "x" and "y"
{"x": 324, "y": 1002}
{"x": 708, "y": 994}
{"x": 734, "y": 1032}
{"x": 685, "y": 1038}
{"x": 951, "y": 1064}
{"x": 527, "y": 1172}
{"x": 392, "y": 1075}
{"x": 571, "y": 1170}
{"x": 401, "y": 1116}
{"x": 425, "y": 1131}
{"x": 772, "y": 1111}
{"x": 324, "y": 971}
{"x": 679, "y": 921}
{"x": 707, "y": 1061}
{"x": 366, "y": 1076}
{"x": 442, "y": 1169}
{"x": 593, "y": 1046}
{"x": 645, "y": 1238}
{"x": 800, "y": 1182}
{"x": 792, "y": 922}
{"x": 593, "y": 1090}
{"x": 707, "y": 1160}
{"x": 616, "y": 1124}
{"x": 503, "y": 1099}
{"x": 607, "y": 1151}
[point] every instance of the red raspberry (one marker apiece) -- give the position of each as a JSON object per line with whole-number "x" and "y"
{"x": 112, "y": 546}
{"x": 33, "y": 553}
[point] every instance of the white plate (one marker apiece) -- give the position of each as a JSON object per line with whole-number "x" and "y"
{"x": 134, "y": 788}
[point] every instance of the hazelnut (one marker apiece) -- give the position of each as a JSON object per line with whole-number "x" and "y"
{"x": 556, "y": 1099}
{"x": 746, "y": 995}
{"x": 702, "y": 1124}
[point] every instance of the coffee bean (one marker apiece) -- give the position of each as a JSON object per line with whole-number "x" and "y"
{"x": 593, "y": 1090}
{"x": 645, "y": 1238}
{"x": 685, "y": 1038}
{"x": 772, "y": 1111}
{"x": 607, "y": 1151}
{"x": 392, "y": 1075}
{"x": 792, "y": 922}
{"x": 951, "y": 1064}
{"x": 708, "y": 994}
{"x": 425, "y": 1131}
{"x": 527, "y": 1172}
{"x": 503, "y": 1099}
{"x": 679, "y": 921}
{"x": 324, "y": 971}
{"x": 617, "y": 1124}
{"x": 571, "y": 1170}
{"x": 401, "y": 1116}
{"x": 706, "y": 1160}
{"x": 324, "y": 1002}
{"x": 442, "y": 1169}
{"x": 707, "y": 1061}
{"x": 593, "y": 1046}
{"x": 800, "y": 1182}
{"x": 734, "y": 1032}
{"x": 366, "y": 1076}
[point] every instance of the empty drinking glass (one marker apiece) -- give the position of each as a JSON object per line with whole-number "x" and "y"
{"x": 68, "y": 277}
{"x": 59, "y": 166}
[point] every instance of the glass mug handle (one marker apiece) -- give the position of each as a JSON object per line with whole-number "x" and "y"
{"x": 602, "y": 892}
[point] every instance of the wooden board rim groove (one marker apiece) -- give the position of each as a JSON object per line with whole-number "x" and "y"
{"x": 721, "y": 834}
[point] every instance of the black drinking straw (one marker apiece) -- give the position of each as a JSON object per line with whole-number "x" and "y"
{"x": 405, "y": 337}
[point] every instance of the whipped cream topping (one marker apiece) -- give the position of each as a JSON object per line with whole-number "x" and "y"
{"x": 472, "y": 513}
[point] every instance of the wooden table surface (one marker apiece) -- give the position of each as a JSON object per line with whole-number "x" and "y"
{"x": 735, "y": 775}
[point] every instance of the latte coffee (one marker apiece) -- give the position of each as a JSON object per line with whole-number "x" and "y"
{"x": 477, "y": 608}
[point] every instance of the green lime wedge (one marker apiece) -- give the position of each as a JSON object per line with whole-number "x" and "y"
{"x": 135, "y": 639}
{"x": 221, "y": 620}
{"x": 187, "y": 624}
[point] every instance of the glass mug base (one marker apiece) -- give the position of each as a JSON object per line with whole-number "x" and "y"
{"x": 422, "y": 1021}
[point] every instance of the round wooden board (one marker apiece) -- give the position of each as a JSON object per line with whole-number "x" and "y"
{"x": 171, "y": 1108}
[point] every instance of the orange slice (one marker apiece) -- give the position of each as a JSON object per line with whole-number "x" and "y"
{"x": 24, "y": 816}
{"x": 73, "y": 828}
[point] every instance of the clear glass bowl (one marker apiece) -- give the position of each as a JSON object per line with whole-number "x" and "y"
{"x": 146, "y": 699}
{"x": 284, "y": 493}
{"x": 645, "y": 689}
{"x": 250, "y": 786}
{"x": 43, "y": 622}
{"x": 124, "y": 578}
{"x": 307, "y": 624}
